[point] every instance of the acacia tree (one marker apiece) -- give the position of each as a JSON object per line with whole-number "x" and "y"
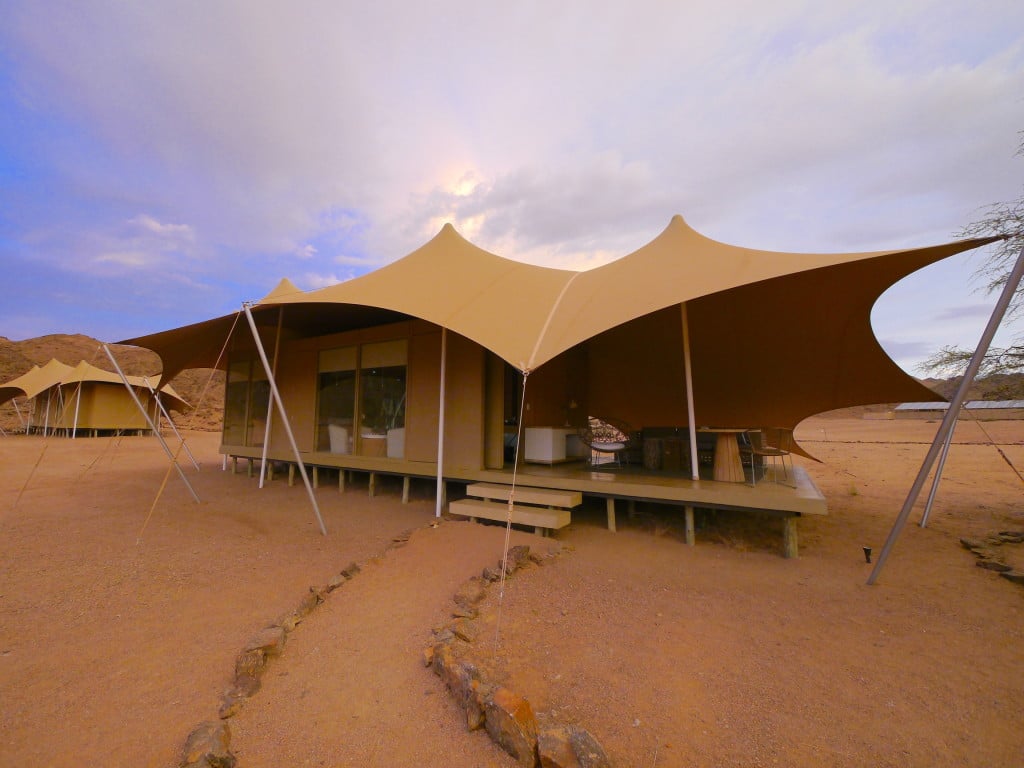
{"x": 1007, "y": 219}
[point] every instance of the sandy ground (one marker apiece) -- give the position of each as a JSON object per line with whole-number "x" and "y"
{"x": 119, "y": 626}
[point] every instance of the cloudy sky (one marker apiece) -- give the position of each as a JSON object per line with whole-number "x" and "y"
{"x": 161, "y": 162}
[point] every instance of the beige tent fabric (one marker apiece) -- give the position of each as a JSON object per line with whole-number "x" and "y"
{"x": 33, "y": 382}
{"x": 528, "y": 314}
{"x": 775, "y": 336}
{"x": 56, "y": 373}
{"x": 501, "y": 304}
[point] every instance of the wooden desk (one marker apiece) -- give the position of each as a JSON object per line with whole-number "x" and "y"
{"x": 728, "y": 465}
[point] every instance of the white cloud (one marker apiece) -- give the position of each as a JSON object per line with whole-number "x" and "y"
{"x": 133, "y": 259}
{"x": 311, "y": 280}
{"x": 148, "y": 224}
{"x": 344, "y": 135}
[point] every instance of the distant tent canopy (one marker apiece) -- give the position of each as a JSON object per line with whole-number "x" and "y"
{"x": 775, "y": 337}
{"x": 84, "y": 397}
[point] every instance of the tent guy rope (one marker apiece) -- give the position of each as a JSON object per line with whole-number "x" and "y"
{"x": 508, "y": 518}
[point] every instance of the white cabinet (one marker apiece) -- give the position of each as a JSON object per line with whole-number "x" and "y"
{"x": 546, "y": 445}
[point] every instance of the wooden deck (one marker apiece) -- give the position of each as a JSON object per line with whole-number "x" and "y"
{"x": 628, "y": 484}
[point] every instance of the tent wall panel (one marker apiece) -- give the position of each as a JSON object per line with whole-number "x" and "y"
{"x": 424, "y": 394}
{"x": 635, "y": 372}
{"x": 464, "y": 412}
{"x": 494, "y": 412}
{"x": 296, "y": 381}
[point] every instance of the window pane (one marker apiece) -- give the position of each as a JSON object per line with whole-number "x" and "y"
{"x": 236, "y": 402}
{"x": 336, "y": 400}
{"x": 383, "y": 410}
{"x": 259, "y": 399}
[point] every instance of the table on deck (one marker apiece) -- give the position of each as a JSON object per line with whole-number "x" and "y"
{"x": 728, "y": 464}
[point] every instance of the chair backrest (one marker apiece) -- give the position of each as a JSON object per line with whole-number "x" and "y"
{"x": 754, "y": 438}
{"x": 605, "y": 430}
{"x": 779, "y": 438}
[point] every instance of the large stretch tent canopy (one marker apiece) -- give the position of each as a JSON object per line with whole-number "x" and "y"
{"x": 775, "y": 337}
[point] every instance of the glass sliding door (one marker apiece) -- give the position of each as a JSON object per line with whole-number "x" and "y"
{"x": 259, "y": 399}
{"x": 236, "y": 402}
{"x": 382, "y": 388}
{"x": 336, "y": 399}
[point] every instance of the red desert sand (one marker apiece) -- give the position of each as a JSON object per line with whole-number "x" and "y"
{"x": 121, "y": 619}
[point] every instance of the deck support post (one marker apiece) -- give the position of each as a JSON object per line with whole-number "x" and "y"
{"x": 691, "y": 539}
{"x": 611, "y": 514}
{"x": 291, "y": 475}
{"x": 405, "y": 489}
{"x": 316, "y": 477}
{"x": 341, "y": 480}
{"x": 373, "y": 484}
{"x": 790, "y": 547}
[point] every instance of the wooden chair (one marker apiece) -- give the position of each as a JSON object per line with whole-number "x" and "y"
{"x": 761, "y": 446}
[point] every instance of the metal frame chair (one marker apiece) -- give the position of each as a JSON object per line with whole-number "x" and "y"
{"x": 768, "y": 444}
{"x": 608, "y": 436}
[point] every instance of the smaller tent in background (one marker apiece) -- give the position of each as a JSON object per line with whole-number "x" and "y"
{"x": 86, "y": 400}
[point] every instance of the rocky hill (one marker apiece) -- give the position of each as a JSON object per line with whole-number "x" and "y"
{"x": 18, "y": 357}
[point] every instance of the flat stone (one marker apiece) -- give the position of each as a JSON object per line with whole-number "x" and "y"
{"x": 209, "y": 745}
{"x": 269, "y": 640}
{"x": 336, "y": 581}
{"x": 231, "y": 704}
{"x": 463, "y": 680}
{"x": 992, "y": 565}
{"x": 570, "y": 747}
{"x": 517, "y": 555}
{"x": 309, "y": 603}
{"x": 470, "y": 593}
{"x": 250, "y": 663}
{"x": 466, "y": 630}
{"x": 1015, "y": 576}
{"x": 512, "y": 725}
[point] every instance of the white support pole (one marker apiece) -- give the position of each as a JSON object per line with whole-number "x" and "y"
{"x": 440, "y": 427}
{"x": 270, "y": 400}
{"x": 935, "y": 480}
{"x": 78, "y": 403}
{"x": 954, "y": 409}
{"x": 688, "y": 369}
{"x": 284, "y": 416}
{"x": 46, "y": 423}
{"x": 17, "y": 410}
{"x": 145, "y": 414}
{"x": 159, "y": 404}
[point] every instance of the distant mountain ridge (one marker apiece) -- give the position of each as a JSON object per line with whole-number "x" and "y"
{"x": 18, "y": 357}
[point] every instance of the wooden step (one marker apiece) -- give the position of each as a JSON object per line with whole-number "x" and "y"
{"x": 538, "y": 517}
{"x": 548, "y": 497}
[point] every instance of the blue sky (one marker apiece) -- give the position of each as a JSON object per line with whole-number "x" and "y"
{"x": 161, "y": 162}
